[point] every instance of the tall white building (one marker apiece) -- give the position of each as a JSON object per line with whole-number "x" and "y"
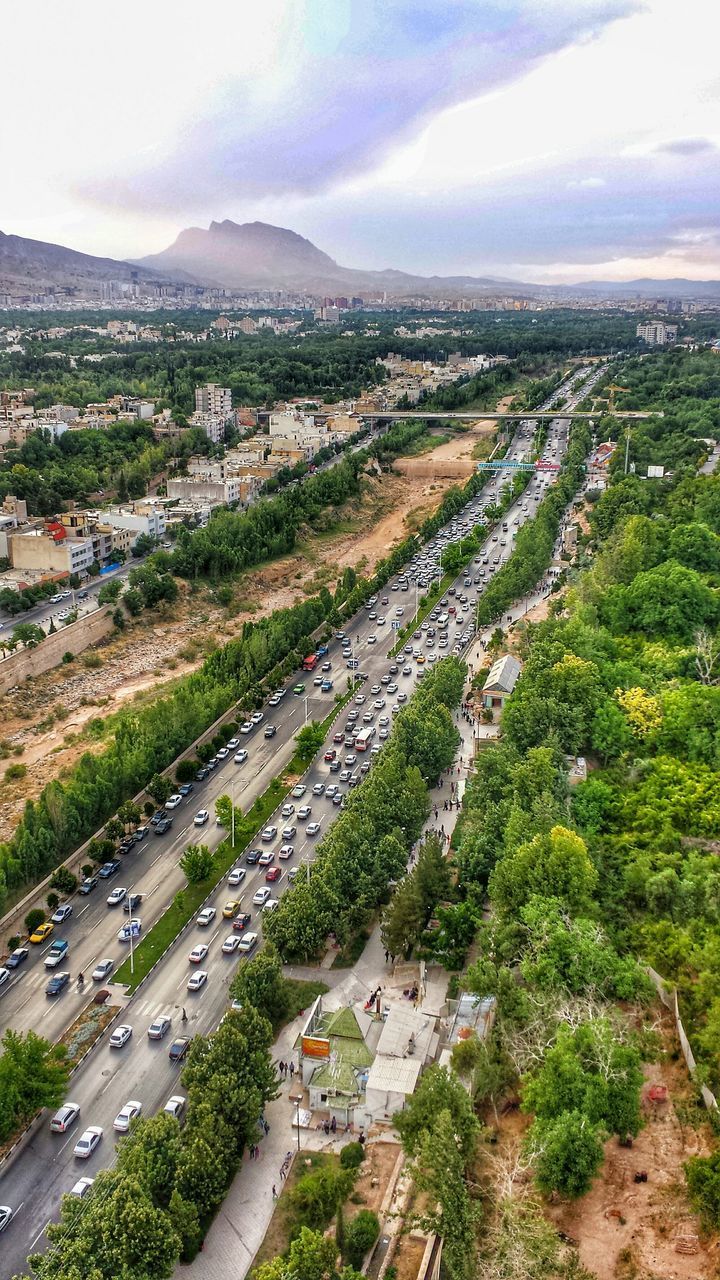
{"x": 214, "y": 400}
{"x": 656, "y": 333}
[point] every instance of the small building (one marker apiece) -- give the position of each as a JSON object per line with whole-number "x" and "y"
{"x": 501, "y": 681}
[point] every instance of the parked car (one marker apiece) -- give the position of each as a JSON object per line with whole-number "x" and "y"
{"x": 61, "y": 913}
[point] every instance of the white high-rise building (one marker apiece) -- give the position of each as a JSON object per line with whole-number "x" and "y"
{"x": 656, "y": 333}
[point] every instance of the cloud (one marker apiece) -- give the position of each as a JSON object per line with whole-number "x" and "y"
{"x": 686, "y": 146}
{"x": 353, "y": 81}
{"x": 585, "y": 184}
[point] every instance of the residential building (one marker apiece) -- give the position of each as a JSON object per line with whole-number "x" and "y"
{"x": 51, "y": 550}
{"x": 213, "y": 399}
{"x": 211, "y": 424}
{"x": 656, "y": 333}
{"x": 211, "y": 490}
{"x": 147, "y": 516}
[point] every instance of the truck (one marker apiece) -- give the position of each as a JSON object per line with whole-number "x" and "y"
{"x": 310, "y": 663}
{"x": 321, "y": 650}
{"x": 57, "y": 952}
{"x": 326, "y": 686}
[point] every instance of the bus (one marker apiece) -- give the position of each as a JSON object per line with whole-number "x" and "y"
{"x": 364, "y": 738}
{"x": 442, "y": 621}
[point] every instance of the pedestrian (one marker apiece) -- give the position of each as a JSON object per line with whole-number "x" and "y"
{"x": 281, "y": 1068}
{"x": 282, "y": 1172}
{"x": 326, "y": 1127}
{"x": 274, "y": 1193}
{"x": 333, "y": 1125}
{"x": 266, "y": 1127}
{"x": 387, "y": 956}
{"x": 292, "y": 1069}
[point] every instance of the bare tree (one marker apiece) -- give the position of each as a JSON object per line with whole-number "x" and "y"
{"x": 707, "y": 655}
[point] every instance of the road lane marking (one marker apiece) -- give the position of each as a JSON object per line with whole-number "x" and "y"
{"x": 39, "y": 1234}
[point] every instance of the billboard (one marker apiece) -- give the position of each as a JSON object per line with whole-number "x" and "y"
{"x": 315, "y": 1047}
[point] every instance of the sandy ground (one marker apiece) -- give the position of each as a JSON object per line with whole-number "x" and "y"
{"x": 631, "y": 1231}
{"x": 148, "y": 656}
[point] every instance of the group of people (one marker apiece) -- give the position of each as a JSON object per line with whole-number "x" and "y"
{"x": 286, "y": 1069}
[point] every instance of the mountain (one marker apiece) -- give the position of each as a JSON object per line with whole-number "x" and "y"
{"x": 256, "y": 255}
{"x": 34, "y": 265}
{"x": 675, "y": 287}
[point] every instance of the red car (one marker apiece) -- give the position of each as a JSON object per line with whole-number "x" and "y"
{"x": 338, "y": 737}
{"x": 273, "y": 874}
{"x": 331, "y": 754}
{"x": 241, "y": 921}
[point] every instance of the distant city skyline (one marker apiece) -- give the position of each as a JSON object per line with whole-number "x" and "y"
{"x": 579, "y": 140}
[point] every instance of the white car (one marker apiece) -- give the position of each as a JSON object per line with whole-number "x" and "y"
{"x": 131, "y": 929}
{"x": 318, "y": 788}
{"x": 287, "y": 810}
{"x": 222, "y": 754}
{"x": 233, "y": 744}
{"x": 201, "y": 817}
{"x": 304, "y": 811}
{"x": 206, "y": 917}
{"x": 231, "y": 944}
{"x": 246, "y": 727}
{"x": 61, "y": 913}
{"x": 175, "y": 800}
{"x": 286, "y": 851}
{"x": 298, "y": 791}
{"x": 88, "y": 1142}
{"x": 175, "y": 1106}
{"x": 65, "y": 1117}
{"x": 269, "y": 833}
{"x": 237, "y": 875}
{"x": 312, "y": 828}
{"x": 81, "y": 1188}
{"x": 116, "y": 897}
{"x": 125, "y": 1117}
{"x": 198, "y": 953}
{"x": 271, "y": 905}
{"x": 257, "y": 717}
{"x": 197, "y": 980}
{"x": 248, "y": 942}
{"x": 240, "y": 756}
{"x": 102, "y": 970}
{"x": 159, "y": 1028}
{"x": 120, "y": 1036}
{"x": 261, "y": 896}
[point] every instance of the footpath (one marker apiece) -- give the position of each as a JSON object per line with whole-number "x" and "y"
{"x": 241, "y": 1222}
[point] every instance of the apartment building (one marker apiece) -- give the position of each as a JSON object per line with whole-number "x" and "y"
{"x": 213, "y": 399}
{"x": 210, "y": 490}
{"x": 147, "y": 516}
{"x": 656, "y": 333}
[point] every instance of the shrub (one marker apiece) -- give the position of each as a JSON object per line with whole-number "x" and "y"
{"x": 317, "y": 1196}
{"x": 352, "y": 1155}
{"x": 186, "y": 771}
{"x": 52, "y": 901}
{"x": 92, "y": 661}
{"x": 360, "y": 1235}
{"x": 34, "y": 918}
{"x": 13, "y": 942}
{"x": 14, "y": 772}
{"x": 68, "y": 657}
{"x": 64, "y": 880}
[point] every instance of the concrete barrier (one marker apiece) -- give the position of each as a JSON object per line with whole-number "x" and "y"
{"x": 79, "y": 636}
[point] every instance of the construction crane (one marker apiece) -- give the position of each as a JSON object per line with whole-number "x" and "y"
{"x": 612, "y": 388}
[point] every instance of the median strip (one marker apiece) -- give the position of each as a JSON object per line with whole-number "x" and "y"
{"x": 189, "y": 900}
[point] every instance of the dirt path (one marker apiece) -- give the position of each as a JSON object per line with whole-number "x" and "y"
{"x": 46, "y": 720}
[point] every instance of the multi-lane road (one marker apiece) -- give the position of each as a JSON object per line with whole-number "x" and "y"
{"x": 45, "y": 1167}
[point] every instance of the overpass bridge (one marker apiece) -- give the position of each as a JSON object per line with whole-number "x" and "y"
{"x": 378, "y": 415}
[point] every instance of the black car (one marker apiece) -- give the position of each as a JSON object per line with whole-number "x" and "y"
{"x": 163, "y": 826}
{"x": 252, "y": 857}
{"x": 16, "y": 959}
{"x": 159, "y": 815}
{"x": 88, "y": 884}
{"x": 179, "y": 1048}
{"x": 132, "y": 901}
{"x": 140, "y": 834}
{"x": 57, "y": 983}
{"x": 108, "y": 869}
{"x": 127, "y": 844}
{"x": 212, "y": 764}
{"x": 202, "y": 774}
{"x": 185, "y": 789}
{"x": 270, "y": 730}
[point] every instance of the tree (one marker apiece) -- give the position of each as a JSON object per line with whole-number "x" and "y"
{"x": 224, "y": 811}
{"x": 431, "y": 874}
{"x": 567, "y": 1152}
{"x": 64, "y": 880}
{"x": 404, "y": 919}
{"x": 439, "y": 1091}
{"x": 360, "y": 1235}
{"x": 121, "y": 1234}
{"x": 133, "y": 602}
{"x": 197, "y": 863}
{"x": 590, "y": 1071}
{"x": 438, "y": 1170}
{"x": 556, "y": 865}
{"x": 109, "y": 592}
{"x": 702, "y": 1174}
{"x": 33, "y": 1074}
{"x": 160, "y": 788}
{"x": 309, "y": 741}
{"x": 27, "y": 634}
{"x": 152, "y": 1156}
{"x": 317, "y": 1195}
{"x": 34, "y": 918}
{"x": 260, "y": 982}
{"x": 311, "y": 1256}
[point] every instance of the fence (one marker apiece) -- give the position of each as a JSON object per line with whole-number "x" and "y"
{"x": 670, "y": 1000}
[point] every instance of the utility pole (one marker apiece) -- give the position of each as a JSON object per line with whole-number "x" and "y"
{"x": 627, "y": 447}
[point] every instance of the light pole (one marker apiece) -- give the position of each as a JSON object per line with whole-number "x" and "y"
{"x": 232, "y": 812}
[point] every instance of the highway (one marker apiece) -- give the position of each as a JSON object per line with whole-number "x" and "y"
{"x": 45, "y": 1167}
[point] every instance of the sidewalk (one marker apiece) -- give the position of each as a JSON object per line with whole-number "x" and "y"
{"x": 242, "y": 1220}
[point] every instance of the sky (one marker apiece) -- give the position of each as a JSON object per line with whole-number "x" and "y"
{"x": 546, "y": 140}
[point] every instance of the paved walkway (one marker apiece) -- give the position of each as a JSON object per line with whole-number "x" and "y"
{"x": 240, "y": 1224}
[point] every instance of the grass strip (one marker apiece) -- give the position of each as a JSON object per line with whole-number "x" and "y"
{"x": 189, "y": 900}
{"x": 430, "y": 599}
